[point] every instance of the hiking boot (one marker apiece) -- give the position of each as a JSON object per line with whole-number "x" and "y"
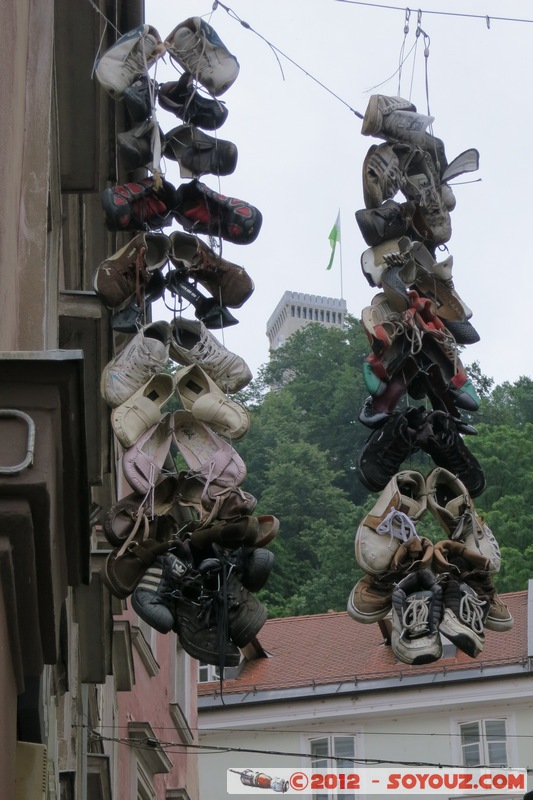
{"x": 153, "y": 599}
{"x": 389, "y": 221}
{"x": 198, "y": 49}
{"x": 144, "y": 356}
{"x": 388, "y": 447}
{"x": 138, "y": 99}
{"x": 137, "y": 146}
{"x": 417, "y": 608}
{"x": 246, "y": 614}
{"x": 199, "y": 154}
{"x": 138, "y": 206}
{"x": 201, "y": 210}
{"x": 128, "y": 59}
{"x": 382, "y": 176}
{"x": 228, "y": 283}
{"x": 129, "y": 272}
{"x": 182, "y": 99}
{"x": 192, "y": 343}
{"x": 391, "y": 521}
{"x": 371, "y": 597}
{"x": 464, "y": 611}
{"x": 451, "y": 505}
{"x": 471, "y": 567}
{"x": 198, "y": 628}
{"x": 440, "y": 438}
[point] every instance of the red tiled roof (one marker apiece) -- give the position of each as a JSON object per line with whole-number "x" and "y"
{"x": 329, "y": 648}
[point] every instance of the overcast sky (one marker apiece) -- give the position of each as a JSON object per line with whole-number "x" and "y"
{"x": 301, "y": 151}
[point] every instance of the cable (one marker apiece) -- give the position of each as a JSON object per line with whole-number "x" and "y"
{"x": 276, "y": 50}
{"x": 485, "y": 17}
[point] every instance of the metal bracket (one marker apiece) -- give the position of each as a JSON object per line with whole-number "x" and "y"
{"x": 28, "y": 461}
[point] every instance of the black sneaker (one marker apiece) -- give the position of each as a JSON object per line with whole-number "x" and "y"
{"x": 198, "y": 627}
{"x": 389, "y": 221}
{"x": 388, "y": 447}
{"x": 182, "y": 99}
{"x": 439, "y": 437}
{"x": 416, "y": 614}
{"x": 153, "y": 599}
{"x": 137, "y": 99}
{"x": 138, "y": 206}
{"x": 464, "y": 616}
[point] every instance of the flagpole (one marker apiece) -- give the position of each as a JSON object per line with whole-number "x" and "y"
{"x": 340, "y": 253}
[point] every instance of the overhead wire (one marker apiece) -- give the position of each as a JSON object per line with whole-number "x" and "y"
{"x": 486, "y": 17}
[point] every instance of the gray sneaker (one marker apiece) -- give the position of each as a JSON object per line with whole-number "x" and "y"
{"x": 416, "y": 614}
{"x": 144, "y": 355}
{"x": 128, "y": 59}
{"x": 192, "y": 343}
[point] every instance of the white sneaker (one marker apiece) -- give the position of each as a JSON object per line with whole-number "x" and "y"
{"x": 129, "y": 58}
{"x": 192, "y": 343}
{"x": 198, "y": 49}
{"x": 145, "y": 355}
{"x": 391, "y": 522}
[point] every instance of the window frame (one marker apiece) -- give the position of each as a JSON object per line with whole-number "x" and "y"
{"x": 333, "y": 763}
{"x": 483, "y": 741}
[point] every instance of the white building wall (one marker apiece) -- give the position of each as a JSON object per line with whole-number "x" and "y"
{"x": 393, "y": 727}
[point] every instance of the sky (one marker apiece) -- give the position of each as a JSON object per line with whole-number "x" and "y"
{"x": 301, "y": 151}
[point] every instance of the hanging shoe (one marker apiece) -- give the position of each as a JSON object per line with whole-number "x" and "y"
{"x": 228, "y": 283}
{"x": 201, "y": 210}
{"x": 202, "y": 397}
{"x": 470, "y": 567}
{"x": 143, "y": 356}
{"x": 390, "y": 221}
{"x": 139, "y": 412}
{"x": 388, "y": 447}
{"x": 192, "y": 343}
{"x": 417, "y": 608}
{"x": 129, "y": 271}
{"x": 182, "y": 99}
{"x": 212, "y": 502}
{"x": 206, "y": 454}
{"x": 137, "y": 145}
{"x": 441, "y": 439}
{"x": 138, "y": 99}
{"x": 153, "y": 598}
{"x": 371, "y": 598}
{"x": 139, "y": 206}
{"x": 396, "y": 119}
{"x": 465, "y": 611}
{"x": 206, "y": 309}
{"x": 128, "y": 59}
{"x": 199, "y": 154}
{"x": 391, "y": 521}
{"x": 382, "y": 176}
{"x": 143, "y": 462}
{"x": 451, "y": 504}
{"x": 198, "y": 49}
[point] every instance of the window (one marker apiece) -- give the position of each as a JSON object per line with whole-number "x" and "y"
{"x": 207, "y": 672}
{"x": 342, "y": 748}
{"x": 484, "y": 743}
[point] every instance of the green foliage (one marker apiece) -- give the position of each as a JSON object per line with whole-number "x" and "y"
{"x": 301, "y": 453}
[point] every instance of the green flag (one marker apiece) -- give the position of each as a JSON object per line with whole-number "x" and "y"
{"x": 334, "y": 237}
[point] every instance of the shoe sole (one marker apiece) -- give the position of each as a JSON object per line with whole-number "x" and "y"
{"x": 361, "y": 616}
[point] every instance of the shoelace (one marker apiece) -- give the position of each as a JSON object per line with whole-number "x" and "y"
{"x": 415, "y": 617}
{"x": 471, "y": 612}
{"x": 468, "y": 522}
{"x": 399, "y": 526}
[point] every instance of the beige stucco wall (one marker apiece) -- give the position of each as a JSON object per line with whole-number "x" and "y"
{"x": 25, "y": 92}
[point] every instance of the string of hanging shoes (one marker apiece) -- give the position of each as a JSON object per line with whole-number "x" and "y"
{"x": 187, "y": 547}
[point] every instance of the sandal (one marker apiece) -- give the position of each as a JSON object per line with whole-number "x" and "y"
{"x": 207, "y": 454}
